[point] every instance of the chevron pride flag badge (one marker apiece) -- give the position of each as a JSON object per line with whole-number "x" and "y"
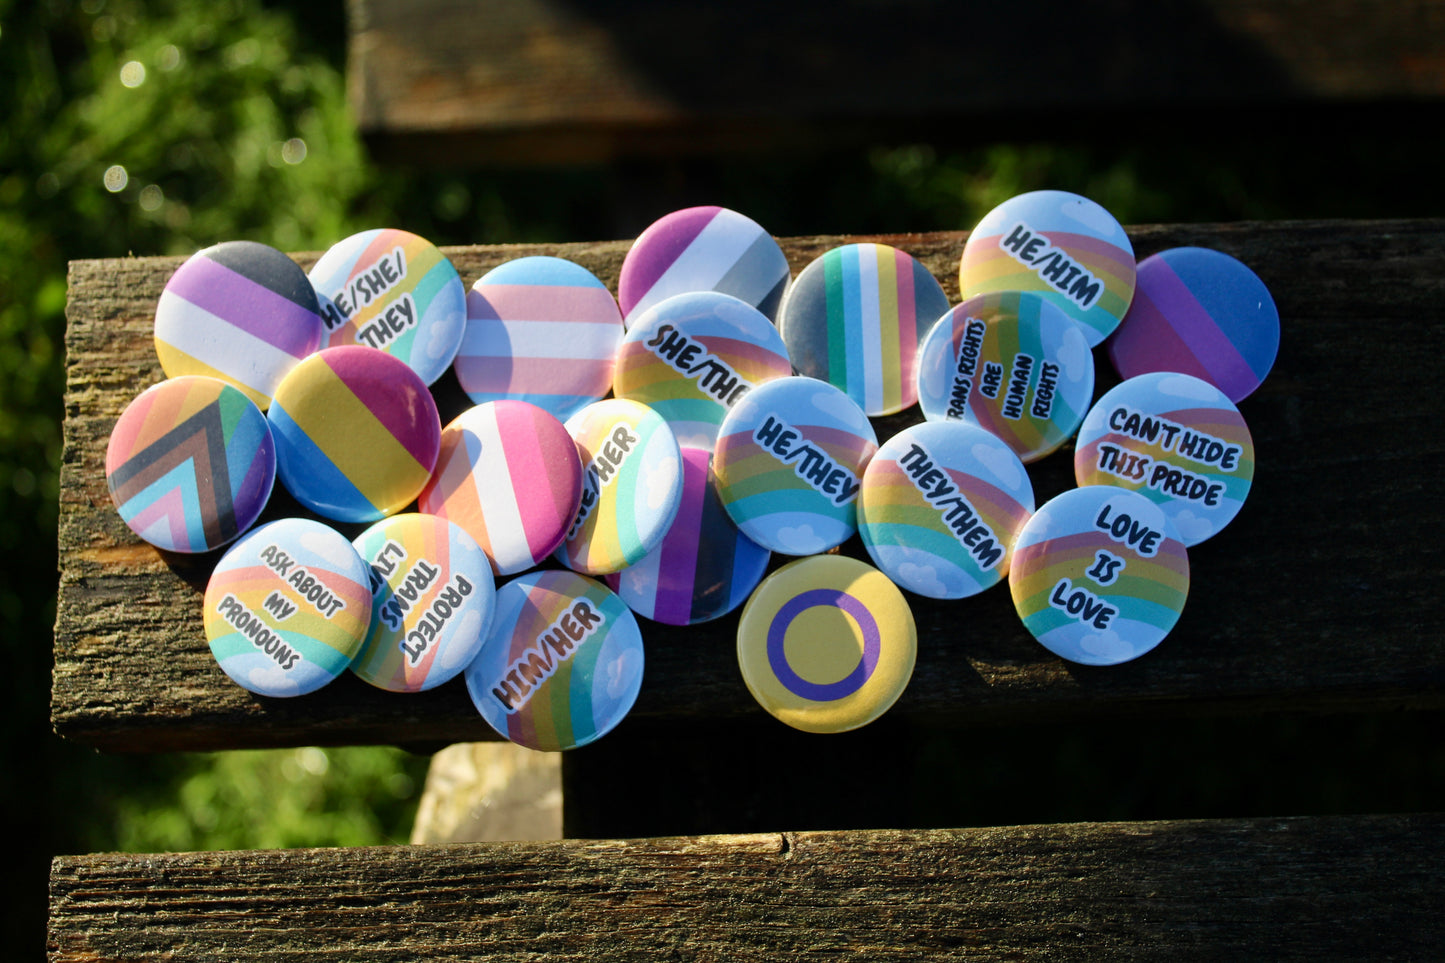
{"x": 190, "y": 464}
{"x": 239, "y": 311}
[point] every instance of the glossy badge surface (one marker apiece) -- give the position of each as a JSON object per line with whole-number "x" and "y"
{"x": 855, "y": 317}
{"x": 827, "y": 644}
{"x": 190, "y": 464}
{"x": 790, "y": 456}
{"x": 1099, "y": 576}
{"x": 393, "y": 291}
{"x": 562, "y": 665}
{"x": 693, "y": 356}
{"x": 356, "y": 432}
{"x": 703, "y": 249}
{"x": 1201, "y": 313}
{"x": 432, "y": 599}
{"x": 704, "y": 568}
{"x": 239, "y": 311}
{"x": 510, "y": 474}
{"x": 287, "y": 607}
{"x": 541, "y": 330}
{"x": 1060, "y": 245}
{"x": 1012, "y": 364}
{"x": 1176, "y": 440}
{"x": 940, "y": 506}
{"x": 632, "y": 480}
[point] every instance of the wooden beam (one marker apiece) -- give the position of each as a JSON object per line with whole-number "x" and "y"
{"x": 1320, "y": 595}
{"x": 529, "y": 81}
{"x": 1360, "y": 887}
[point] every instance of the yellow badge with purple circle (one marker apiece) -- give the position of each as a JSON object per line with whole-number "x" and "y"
{"x": 940, "y": 506}
{"x": 630, "y": 489}
{"x": 1099, "y": 576}
{"x": 827, "y": 643}
{"x": 1063, "y": 247}
{"x": 562, "y": 665}
{"x": 396, "y": 292}
{"x": 432, "y": 599}
{"x": 1177, "y": 440}
{"x": 1014, "y": 365}
{"x": 287, "y": 607}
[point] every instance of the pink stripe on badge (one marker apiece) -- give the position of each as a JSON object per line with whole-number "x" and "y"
{"x": 248, "y": 306}
{"x": 539, "y": 454}
{"x": 501, "y": 376}
{"x": 542, "y": 303}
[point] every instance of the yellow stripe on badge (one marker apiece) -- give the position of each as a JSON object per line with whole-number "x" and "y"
{"x": 890, "y": 366}
{"x": 173, "y": 359}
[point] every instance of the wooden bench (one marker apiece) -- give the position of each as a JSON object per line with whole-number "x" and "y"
{"x": 1321, "y": 596}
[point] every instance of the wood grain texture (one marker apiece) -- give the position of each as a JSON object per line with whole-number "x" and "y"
{"x": 1277, "y": 889}
{"x": 542, "y": 81}
{"x": 1321, "y": 594}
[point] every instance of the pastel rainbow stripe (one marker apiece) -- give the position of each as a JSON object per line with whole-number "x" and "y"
{"x": 854, "y": 318}
{"x": 1182, "y": 400}
{"x": 703, "y": 249}
{"x": 1017, "y": 324}
{"x": 430, "y": 343}
{"x": 510, "y": 474}
{"x": 763, "y": 494}
{"x": 1060, "y": 542}
{"x": 1085, "y": 231}
{"x": 238, "y": 311}
{"x": 635, "y": 506}
{"x": 384, "y": 660}
{"x": 1202, "y": 313}
{"x": 704, "y": 567}
{"x": 542, "y": 330}
{"x": 585, "y": 694}
{"x": 356, "y": 433}
{"x": 911, "y": 540}
{"x": 728, "y": 331}
{"x": 190, "y": 464}
{"x": 326, "y": 644}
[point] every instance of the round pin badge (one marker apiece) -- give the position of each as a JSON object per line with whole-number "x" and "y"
{"x": 562, "y": 665}
{"x": 1012, "y": 364}
{"x": 1178, "y": 441}
{"x": 1099, "y": 575}
{"x": 693, "y": 356}
{"x": 432, "y": 600}
{"x": 940, "y": 506}
{"x": 1065, "y": 247}
{"x": 704, "y": 567}
{"x": 855, "y": 317}
{"x": 631, "y": 485}
{"x": 393, "y": 291}
{"x": 788, "y": 462}
{"x": 827, "y": 644}
{"x": 1201, "y": 313}
{"x": 703, "y": 249}
{"x": 541, "y": 330}
{"x": 239, "y": 311}
{"x": 511, "y": 475}
{"x": 190, "y": 464}
{"x": 357, "y": 433}
{"x": 287, "y": 607}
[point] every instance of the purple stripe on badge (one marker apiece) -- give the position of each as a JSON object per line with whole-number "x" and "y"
{"x": 247, "y": 305}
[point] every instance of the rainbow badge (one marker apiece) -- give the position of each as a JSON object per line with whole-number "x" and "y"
{"x": 854, "y": 318}
{"x": 432, "y": 599}
{"x": 1061, "y": 246}
{"x": 562, "y": 664}
{"x": 1099, "y": 575}
{"x": 396, "y": 292}
{"x": 190, "y": 464}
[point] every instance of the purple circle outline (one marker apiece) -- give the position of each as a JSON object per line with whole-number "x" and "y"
{"x": 778, "y": 658}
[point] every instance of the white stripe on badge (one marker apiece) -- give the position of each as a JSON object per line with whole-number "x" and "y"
{"x": 215, "y": 341}
{"x": 493, "y": 480}
{"x": 872, "y": 327}
{"x": 561, "y": 340}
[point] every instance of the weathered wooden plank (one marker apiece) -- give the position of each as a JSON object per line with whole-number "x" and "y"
{"x": 1321, "y": 594}
{"x": 1331, "y": 888}
{"x": 534, "y": 81}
